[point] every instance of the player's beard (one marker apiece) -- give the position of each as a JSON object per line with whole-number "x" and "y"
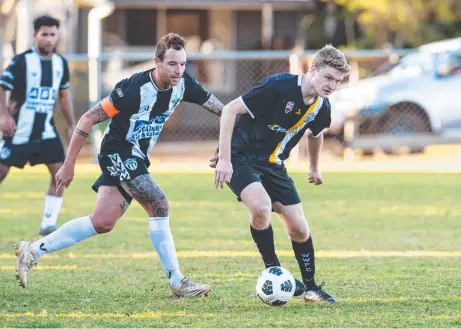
{"x": 174, "y": 82}
{"x": 45, "y": 51}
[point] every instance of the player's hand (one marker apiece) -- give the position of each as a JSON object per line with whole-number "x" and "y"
{"x": 315, "y": 177}
{"x": 223, "y": 173}
{"x": 7, "y": 125}
{"x": 64, "y": 176}
{"x": 214, "y": 158}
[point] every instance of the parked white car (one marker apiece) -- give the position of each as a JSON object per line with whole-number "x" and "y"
{"x": 418, "y": 95}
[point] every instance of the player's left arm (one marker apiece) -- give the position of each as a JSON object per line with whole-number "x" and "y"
{"x": 213, "y": 105}
{"x": 315, "y": 141}
{"x": 195, "y": 93}
{"x": 314, "y": 146}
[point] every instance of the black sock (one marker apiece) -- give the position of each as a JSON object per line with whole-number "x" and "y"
{"x": 304, "y": 253}
{"x": 264, "y": 240}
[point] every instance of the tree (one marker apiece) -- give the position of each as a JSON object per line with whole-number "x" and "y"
{"x": 404, "y": 23}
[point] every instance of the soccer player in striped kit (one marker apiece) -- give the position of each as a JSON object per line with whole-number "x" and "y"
{"x": 138, "y": 108}
{"x": 37, "y": 78}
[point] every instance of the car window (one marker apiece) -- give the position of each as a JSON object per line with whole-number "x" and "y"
{"x": 414, "y": 64}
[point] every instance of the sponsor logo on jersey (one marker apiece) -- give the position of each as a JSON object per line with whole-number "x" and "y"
{"x": 119, "y": 92}
{"x": 278, "y": 129}
{"x": 289, "y": 107}
{"x": 41, "y": 99}
{"x": 298, "y": 112}
{"x": 147, "y": 128}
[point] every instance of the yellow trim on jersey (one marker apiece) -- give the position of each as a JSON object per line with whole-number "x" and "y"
{"x": 273, "y": 158}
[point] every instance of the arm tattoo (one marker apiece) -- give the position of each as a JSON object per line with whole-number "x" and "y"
{"x": 97, "y": 114}
{"x": 124, "y": 206}
{"x": 213, "y": 105}
{"x": 81, "y": 132}
{"x": 148, "y": 194}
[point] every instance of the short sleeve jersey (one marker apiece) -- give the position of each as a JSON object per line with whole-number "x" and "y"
{"x": 34, "y": 82}
{"x": 139, "y": 110}
{"x": 277, "y": 119}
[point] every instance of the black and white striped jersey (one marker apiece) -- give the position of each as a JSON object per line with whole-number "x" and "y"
{"x": 139, "y": 110}
{"x": 35, "y": 82}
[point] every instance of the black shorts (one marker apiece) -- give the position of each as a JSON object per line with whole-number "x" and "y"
{"x": 45, "y": 151}
{"x": 274, "y": 178}
{"x": 119, "y": 167}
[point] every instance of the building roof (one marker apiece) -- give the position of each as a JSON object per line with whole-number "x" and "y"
{"x": 207, "y": 3}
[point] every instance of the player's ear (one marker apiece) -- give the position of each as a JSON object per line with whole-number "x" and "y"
{"x": 157, "y": 61}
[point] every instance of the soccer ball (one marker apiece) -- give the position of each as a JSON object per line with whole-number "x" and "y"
{"x": 275, "y": 286}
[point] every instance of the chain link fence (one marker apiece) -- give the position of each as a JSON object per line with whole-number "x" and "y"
{"x": 361, "y": 120}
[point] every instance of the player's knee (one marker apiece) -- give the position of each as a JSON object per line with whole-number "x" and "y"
{"x": 260, "y": 215}
{"x": 102, "y": 224}
{"x": 299, "y": 233}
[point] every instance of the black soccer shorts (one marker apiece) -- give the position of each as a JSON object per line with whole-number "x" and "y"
{"x": 119, "y": 167}
{"x": 274, "y": 179}
{"x": 45, "y": 151}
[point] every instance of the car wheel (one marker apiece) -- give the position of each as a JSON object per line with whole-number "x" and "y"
{"x": 405, "y": 119}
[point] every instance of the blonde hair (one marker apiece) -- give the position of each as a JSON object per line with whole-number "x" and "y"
{"x": 330, "y": 56}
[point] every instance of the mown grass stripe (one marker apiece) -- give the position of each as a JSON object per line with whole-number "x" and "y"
{"x": 236, "y": 253}
{"x": 150, "y": 315}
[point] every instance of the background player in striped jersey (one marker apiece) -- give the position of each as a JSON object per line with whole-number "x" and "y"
{"x": 139, "y": 107}
{"x": 36, "y": 78}
{"x": 269, "y": 120}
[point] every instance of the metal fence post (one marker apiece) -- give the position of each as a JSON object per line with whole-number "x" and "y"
{"x": 94, "y": 64}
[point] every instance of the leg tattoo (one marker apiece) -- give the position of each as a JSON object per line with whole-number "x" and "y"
{"x": 149, "y": 194}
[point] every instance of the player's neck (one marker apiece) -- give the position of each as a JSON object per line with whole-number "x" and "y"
{"x": 307, "y": 90}
{"x": 158, "y": 82}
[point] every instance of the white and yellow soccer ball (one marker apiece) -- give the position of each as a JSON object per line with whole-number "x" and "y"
{"x": 275, "y": 286}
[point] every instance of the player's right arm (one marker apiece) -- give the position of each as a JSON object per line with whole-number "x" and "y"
{"x": 255, "y": 103}
{"x": 65, "y": 175}
{"x": 105, "y": 109}
{"x": 223, "y": 173}
{"x": 8, "y": 81}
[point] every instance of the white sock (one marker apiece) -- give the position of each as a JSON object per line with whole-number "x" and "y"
{"x": 70, "y": 233}
{"x": 162, "y": 240}
{"x": 51, "y": 211}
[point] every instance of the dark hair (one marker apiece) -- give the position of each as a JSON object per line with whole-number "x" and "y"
{"x": 171, "y": 40}
{"x": 45, "y": 21}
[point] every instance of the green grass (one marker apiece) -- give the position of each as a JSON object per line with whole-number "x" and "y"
{"x": 80, "y": 287}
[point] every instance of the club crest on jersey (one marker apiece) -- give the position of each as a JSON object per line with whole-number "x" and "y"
{"x": 131, "y": 164}
{"x": 5, "y": 153}
{"x": 289, "y": 107}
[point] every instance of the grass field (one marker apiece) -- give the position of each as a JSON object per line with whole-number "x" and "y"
{"x": 388, "y": 247}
